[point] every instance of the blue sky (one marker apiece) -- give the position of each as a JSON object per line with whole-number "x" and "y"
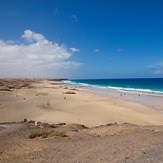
{"x": 81, "y": 38}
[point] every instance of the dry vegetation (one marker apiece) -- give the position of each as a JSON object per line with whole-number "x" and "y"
{"x": 9, "y": 84}
{"x": 113, "y": 143}
{"x": 69, "y": 92}
{"x": 45, "y": 133}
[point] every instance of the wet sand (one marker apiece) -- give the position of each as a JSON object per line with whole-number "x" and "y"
{"x": 152, "y": 101}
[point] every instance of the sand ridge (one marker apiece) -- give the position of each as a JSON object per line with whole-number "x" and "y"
{"x": 77, "y": 143}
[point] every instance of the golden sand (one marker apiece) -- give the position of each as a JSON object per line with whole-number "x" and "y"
{"x": 55, "y": 103}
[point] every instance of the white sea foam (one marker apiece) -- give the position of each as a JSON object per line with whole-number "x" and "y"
{"x": 120, "y": 89}
{"x": 136, "y": 90}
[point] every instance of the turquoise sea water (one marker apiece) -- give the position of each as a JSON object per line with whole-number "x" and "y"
{"x": 153, "y": 85}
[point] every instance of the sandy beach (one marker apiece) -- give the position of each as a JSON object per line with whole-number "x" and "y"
{"x": 75, "y": 120}
{"x": 52, "y": 102}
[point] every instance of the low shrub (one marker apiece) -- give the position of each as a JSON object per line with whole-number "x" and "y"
{"x": 39, "y": 133}
{"x": 45, "y": 134}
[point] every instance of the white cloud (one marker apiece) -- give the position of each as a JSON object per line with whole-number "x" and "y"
{"x": 31, "y": 36}
{"x": 157, "y": 68}
{"x": 96, "y": 50}
{"x": 74, "y": 49}
{"x": 38, "y": 57}
{"x": 74, "y": 18}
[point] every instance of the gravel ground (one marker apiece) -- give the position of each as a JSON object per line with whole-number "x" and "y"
{"x": 114, "y": 143}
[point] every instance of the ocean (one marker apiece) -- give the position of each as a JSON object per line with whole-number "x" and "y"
{"x": 147, "y": 85}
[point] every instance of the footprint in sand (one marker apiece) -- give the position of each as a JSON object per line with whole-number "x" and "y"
{"x": 41, "y": 94}
{"x": 1, "y": 107}
{"x": 45, "y": 106}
